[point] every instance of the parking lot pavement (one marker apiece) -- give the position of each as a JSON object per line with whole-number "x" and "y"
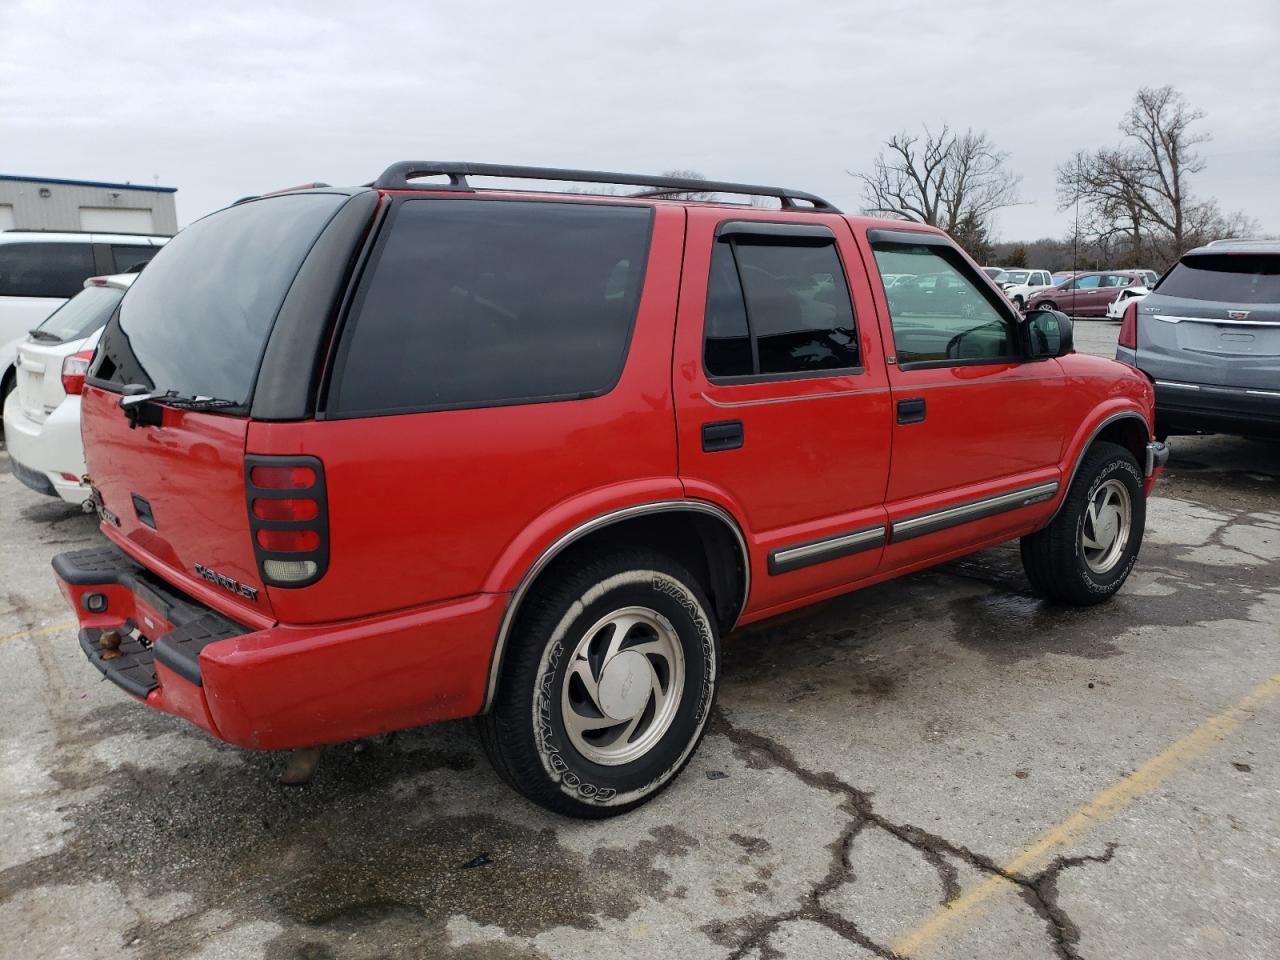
{"x": 938, "y": 767}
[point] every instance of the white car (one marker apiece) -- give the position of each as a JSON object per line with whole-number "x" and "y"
{"x": 39, "y": 271}
{"x": 1115, "y": 310}
{"x": 42, "y": 416}
{"x": 1021, "y": 285}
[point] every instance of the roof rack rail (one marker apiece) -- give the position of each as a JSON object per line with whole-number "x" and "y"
{"x": 112, "y": 233}
{"x": 398, "y": 175}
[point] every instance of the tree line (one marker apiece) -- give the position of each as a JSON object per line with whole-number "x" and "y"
{"x": 1133, "y": 202}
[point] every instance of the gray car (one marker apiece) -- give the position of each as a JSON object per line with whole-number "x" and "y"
{"x": 1209, "y": 336}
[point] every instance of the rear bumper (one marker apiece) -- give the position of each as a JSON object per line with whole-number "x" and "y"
{"x": 1196, "y": 408}
{"x": 47, "y": 450}
{"x": 284, "y": 686}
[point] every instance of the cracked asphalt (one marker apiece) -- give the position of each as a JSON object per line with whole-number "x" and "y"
{"x": 942, "y": 766}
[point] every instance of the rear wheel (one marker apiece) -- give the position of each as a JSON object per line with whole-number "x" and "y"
{"x": 607, "y": 685}
{"x": 1085, "y": 554}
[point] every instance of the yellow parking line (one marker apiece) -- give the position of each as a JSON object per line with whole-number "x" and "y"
{"x": 1104, "y": 805}
{"x": 38, "y": 631}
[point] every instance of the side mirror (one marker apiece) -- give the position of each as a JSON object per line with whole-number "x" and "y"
{"x": 1049, "y": 334}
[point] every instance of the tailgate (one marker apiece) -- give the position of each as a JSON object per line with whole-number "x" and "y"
{"x": 1194, "y": 342}
{"x": 174, "y": 494}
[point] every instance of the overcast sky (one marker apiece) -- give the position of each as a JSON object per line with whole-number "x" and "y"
{"x": 225, "y": 99}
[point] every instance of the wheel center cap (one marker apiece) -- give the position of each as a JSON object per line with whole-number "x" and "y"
{"x": 625, "y": 683}
{"x": 1108, "y": 528}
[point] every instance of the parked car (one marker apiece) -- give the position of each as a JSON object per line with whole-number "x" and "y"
{"x": 42, "y": 416}
{"x": 39, "y": 271}
{"x": 1115, "y": 309}
{"x": 375, "y": 457}
{"x": 1085, "y": 294}
{"x": 1208, "y": 336}
{"x": 1021, "y": 285}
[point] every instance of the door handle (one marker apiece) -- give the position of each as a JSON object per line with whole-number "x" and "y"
{"x": 911, "y": 411}
{"x": 722, "y": 435}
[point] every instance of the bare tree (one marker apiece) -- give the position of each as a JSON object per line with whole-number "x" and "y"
{"x": 951, "y": 180}
{"x": 1141, "y": 190}
{"x": 688, "y": 195}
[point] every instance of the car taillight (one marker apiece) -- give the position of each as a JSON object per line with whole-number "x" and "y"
{"x": 74, "y": 369}
{"x": 288, "y": 518}
{"x": 1129, "y": 326}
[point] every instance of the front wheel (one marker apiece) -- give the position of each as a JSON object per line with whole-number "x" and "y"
{"x": 607, "y": 685}
{"x": 1085, "y": 554}
{"x": 1046, "y": 305}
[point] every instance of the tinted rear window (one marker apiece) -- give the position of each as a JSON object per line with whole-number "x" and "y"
{"x": 44, "y": 269}
{"x": 196, "y": 320}
{"x": 484, "y": 302}
{"x": 1230, "y": 277}
{"x": 87, "y": 311}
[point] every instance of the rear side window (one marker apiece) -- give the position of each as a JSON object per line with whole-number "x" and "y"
{"x": 777, "y": 308}
{"x": 1230, "y": 277}
{"x": 473, "y": 303}
{"x": 196, "y": 320}
{"x": 128, "y": 256}
{"x": 44, "y": 269}
{"x": 87, "y": 311}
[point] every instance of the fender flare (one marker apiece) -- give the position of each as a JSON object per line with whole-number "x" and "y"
{"x": 1106, "y": 421}
{"x": 517, "y": 596}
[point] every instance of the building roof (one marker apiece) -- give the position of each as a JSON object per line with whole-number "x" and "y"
{"x": 89, "y": 183}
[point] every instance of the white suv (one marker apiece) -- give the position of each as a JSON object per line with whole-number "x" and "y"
{"x": 39, "y": 271}
{"x": 1021, "y": 285}
{"x": 42, "y": 415}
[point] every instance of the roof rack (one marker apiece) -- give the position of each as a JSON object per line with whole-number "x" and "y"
{"x": 398, "y": 175}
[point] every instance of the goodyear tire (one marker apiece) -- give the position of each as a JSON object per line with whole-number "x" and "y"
{"x": 608, "y": 682}
{"x": 1086, "y": 553}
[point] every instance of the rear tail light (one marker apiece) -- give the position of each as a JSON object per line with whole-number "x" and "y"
{"x": 1129, "y": 326}
{"x": 288, "y": 518}
{"x": 74, "y": 369}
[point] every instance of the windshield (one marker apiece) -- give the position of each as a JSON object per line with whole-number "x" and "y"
{"x": 87, "y": 311}
{"x": 1013, "y": 276}
{"x": 1230, "y": 277}
{"x": 196, "y": 321}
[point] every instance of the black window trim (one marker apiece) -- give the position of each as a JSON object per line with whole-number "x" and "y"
{"x": 985, "y": 285}
{"x": 348, "y": 319}
{"x": 784, "y": 234}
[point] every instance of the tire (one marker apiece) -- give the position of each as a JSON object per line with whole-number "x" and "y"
{"x": 1074, "y": 559}
{"x": 8, "y": 383}
{"x": 1017, "y": 302}
{"x": 563, "y": 661}
{"x": 1046, "y": 305}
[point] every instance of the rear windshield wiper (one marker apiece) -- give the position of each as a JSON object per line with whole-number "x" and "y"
{"x": 44, "y": 336}
{"x": 136, "y": 404}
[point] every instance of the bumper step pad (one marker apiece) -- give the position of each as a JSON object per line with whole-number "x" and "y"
{"x": 134, "y": 670}
{"x": 194, "y": 626}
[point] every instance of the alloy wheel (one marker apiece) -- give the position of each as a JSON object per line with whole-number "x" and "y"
{"x": 1105, "y": 530}
{"x": 623, "y": 686}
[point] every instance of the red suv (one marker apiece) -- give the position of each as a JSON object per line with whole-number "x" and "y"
{"x": 376, "y": 457}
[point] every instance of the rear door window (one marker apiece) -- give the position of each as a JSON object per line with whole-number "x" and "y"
{"x": 196, "y": 321}
{"x": 44, "y": 269}
{"x": 1229, "y": 277}
{"x": 473, "y": 303}
{"x": 776, "y": 308}
{"x": 942, "y": 316}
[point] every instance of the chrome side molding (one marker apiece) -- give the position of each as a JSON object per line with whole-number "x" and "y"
{"x": 936, "y": 520}
{"x": 828, "y": 548}
{"x": 1174, "y": 318}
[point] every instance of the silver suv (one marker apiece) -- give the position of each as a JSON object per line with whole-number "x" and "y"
{"x": 1209, "y": 336}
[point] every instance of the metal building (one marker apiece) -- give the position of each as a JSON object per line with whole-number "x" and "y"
{"x": 45, "y": 203}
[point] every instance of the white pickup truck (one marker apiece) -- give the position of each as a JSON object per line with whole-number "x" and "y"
{"x": 1021, "y": 285}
